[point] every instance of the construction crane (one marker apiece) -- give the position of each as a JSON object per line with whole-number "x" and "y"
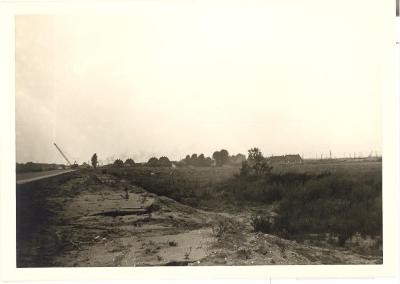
{"x": 61, "y": 152}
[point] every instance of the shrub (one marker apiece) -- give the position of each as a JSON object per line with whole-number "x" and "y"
{"x": 338, "y": 204}
{"x": 258, "y": 163}
{"x": 223, "y": 227}
{"x": 261, "y": 224}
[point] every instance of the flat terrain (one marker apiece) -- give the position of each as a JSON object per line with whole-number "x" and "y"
{"x": 93, "y": 218}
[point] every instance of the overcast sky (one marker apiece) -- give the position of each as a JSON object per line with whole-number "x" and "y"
{"x": 173, "y": 79}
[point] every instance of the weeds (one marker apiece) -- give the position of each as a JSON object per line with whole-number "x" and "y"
{"x": 339, "y": 199}
{"x": 261, "y": 224}
{"x": 187, "y": 253}
{"x": 221, "y": 228}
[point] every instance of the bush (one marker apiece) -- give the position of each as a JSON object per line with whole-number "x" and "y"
{"x": 261, "y": 224}
{"x": 223, "y": 227}
{"x": 338, "y": 204}
{"x": 258, "y": 163}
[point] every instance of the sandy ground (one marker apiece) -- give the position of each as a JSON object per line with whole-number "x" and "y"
{"x": 93, "y": 219}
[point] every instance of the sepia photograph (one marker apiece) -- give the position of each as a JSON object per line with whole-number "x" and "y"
{"x": 185, "y": 134}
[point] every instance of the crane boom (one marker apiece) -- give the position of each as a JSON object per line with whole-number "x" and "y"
{"x": 59, "y": 150}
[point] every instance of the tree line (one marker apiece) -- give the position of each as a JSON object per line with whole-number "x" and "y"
{"x": 219, "y": 158}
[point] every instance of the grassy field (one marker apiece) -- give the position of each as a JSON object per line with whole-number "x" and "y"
{"x": 357, "y": 167}
{"x": 341, "y": 199}
{"x": 194, "y": 186}
{"x": 207, "y": 183}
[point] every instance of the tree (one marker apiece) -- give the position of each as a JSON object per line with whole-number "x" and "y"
{"x": 255, "y": 155}
{"x": 94, "y": 160}
{"x": 237, "y": 159}
{"x": 164, "y": 162}
{"x": 257, "y": 162}
{"x": 152, "y": 162}
{"x": 187, "y": 160}
{"x": 221, "y": 157}
{"x": 201, "y": 160}
{"x": 217, "y": 157}
{"x": 209, "y": 162}
{"x": 118, "y": 163}
{"x": 224, "y": 156}
{"x": 129, "y": 162}
{"x": 193, "y": 160}
{"x": 198, "y": 160}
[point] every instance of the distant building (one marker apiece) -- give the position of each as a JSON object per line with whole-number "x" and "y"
{"x": 286, "y": 159}
{"x": 276, "y": 159}
{"x": 293, "y": 159}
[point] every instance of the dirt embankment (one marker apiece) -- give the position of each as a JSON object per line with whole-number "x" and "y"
{"x": 93, "y": 219}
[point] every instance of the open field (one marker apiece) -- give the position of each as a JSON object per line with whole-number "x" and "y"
{"x": 353, "y": 167}
{"x": 195, "y": 185}
{"x": 201, "y": 216}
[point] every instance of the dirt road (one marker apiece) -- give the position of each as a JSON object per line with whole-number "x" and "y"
{"x": 93, "y": 219}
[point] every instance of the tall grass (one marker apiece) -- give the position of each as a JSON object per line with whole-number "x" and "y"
{"x": 194, "y": 186}
{"x": 338, "y": 199}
